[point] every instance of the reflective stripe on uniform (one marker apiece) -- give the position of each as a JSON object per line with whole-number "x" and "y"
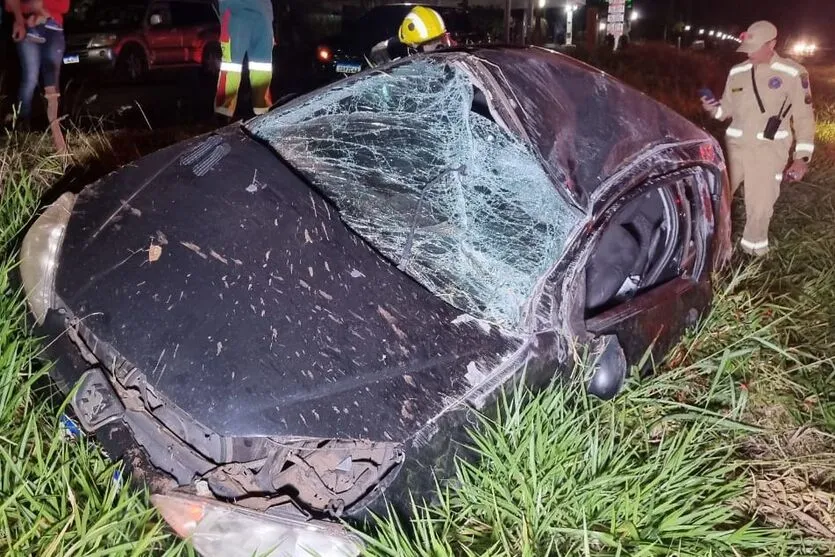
{"x": 719, "y": 113}
{"x": 778, "y": 177}
{"x": 781, "y": 67}
{"x": 741, "y": 69}
{"x": 806, "y": 147}
{"x": 420, "y": 27}
{"x": 231, "y": 67}
{"x": 733, "y": 132}
{"x": 754, "y": 245}
{"x": 782, "y": 134}
{"x": 261, "y": 66}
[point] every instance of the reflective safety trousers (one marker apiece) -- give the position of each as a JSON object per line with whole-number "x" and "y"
{"x": 246, "y": 31}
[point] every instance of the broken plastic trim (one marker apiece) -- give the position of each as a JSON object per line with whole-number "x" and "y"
{"x": 317, "y": 476}
{"x": 381, "y": 145}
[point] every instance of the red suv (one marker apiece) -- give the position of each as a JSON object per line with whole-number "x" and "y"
{"x": 134, "y": 37}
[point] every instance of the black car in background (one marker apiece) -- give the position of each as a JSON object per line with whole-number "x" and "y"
{"x": 348, "y": 52}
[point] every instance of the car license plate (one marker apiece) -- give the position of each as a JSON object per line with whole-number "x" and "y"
{"x": 71, "y": 59}
{"x": 348, "y": 68}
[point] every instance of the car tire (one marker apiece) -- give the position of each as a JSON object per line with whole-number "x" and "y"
{"x": 211, "y": 59}
{"x": 609, "y": 369}
{"x": 132, "y": 63}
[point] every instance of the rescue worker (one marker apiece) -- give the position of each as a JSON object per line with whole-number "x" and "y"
{"x": 422, "y": 30}
{"x": 765, "y": 98}
{"x": 246, "y": 29}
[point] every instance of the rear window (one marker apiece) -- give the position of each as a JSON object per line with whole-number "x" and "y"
{"x": 431, "y": 180}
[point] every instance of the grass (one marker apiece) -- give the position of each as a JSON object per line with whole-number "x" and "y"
{"x": 729, "y": 449}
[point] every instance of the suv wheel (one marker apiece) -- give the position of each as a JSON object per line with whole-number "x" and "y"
{"x": 132, "y": 63}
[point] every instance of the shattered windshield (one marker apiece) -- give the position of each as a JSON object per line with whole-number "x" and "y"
{"x": 417, "y": 165}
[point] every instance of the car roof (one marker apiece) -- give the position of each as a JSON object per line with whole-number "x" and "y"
{"x": 586, "y": 125}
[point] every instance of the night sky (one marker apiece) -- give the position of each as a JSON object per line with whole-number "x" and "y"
{"x": 815, "y": 18}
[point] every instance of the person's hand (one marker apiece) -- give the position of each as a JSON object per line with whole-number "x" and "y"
{"x": 709, "y": 105}
{"x": 18, "y": 30}
{"x": 798, "y": 170}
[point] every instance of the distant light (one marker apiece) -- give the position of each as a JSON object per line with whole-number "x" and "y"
{"x": 686, "y": 27}
{"x": 712, "y": 32}
{"x": 602, "y": 25}
{"x": 634, "y": 16}
{"x": 324, "y": 54}
{"x": 701, "y": 31}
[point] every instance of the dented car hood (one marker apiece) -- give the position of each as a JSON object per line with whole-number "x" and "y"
{"x": 250, "y": 305}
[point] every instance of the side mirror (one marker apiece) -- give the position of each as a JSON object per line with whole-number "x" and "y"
{"x": 156, "y": 19}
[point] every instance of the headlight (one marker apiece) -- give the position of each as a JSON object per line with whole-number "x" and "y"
{"x": 39, "y": 255}
{"x": 216, "y": 529}
{"x": 99, "y": 41}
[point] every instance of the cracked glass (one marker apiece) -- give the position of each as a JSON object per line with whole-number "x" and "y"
{"x": 419, "y": 166}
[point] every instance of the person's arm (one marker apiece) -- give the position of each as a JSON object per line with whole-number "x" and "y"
{"x": 803, "y": 115}
{"x": 19, "y": 25}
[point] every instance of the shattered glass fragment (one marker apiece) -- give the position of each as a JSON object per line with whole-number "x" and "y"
{"x": 447, "y": 193}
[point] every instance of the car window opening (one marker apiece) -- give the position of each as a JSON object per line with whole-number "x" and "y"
{"x": 382, "y": 146}
{"x": 649, "y": 242}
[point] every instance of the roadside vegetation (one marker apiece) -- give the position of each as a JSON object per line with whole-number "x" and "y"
{"x": 729, "y": 449}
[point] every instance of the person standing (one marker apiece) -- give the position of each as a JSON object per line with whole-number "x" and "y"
{"x": 765, "y": 98}
{"x": 41, "y": 58}
{"x": 246, "y": 29}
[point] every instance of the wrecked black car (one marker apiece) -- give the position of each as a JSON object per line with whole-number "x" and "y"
{"x": 296, "y": 319}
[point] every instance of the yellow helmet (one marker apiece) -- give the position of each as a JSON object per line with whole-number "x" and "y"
{"x": 420, "y": 26}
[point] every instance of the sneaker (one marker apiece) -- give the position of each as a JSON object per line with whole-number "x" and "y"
{"x": 36, "y": 34}
{"x": 53, "y": 25}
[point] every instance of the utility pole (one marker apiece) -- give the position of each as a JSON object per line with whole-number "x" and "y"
{"x": 507, "y": 14}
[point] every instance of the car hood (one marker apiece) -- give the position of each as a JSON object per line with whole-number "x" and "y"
{"x": 245, "y": 301}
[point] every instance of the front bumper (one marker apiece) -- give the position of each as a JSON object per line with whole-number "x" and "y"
{"x": 104, "y": 57}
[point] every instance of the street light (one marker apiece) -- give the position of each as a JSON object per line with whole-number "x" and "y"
{"x": 569, "y": 24}
{"x": 541, "y": 4}
{"x": 602, "y": 26}
{"x": 687, "y": 28}
{"x": 712, "y": 32}
{"x": 634, "y": 15}
{"x": 701, "y": 31}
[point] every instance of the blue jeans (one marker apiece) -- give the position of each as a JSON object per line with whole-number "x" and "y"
{"x": 39, "y": 60}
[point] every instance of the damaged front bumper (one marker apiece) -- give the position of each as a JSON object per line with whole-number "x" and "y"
{"x": 282, "y": 488}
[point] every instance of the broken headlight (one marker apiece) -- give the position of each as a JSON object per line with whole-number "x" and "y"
{"x": 218, "y": 529}
{"x": 39, "y": 255}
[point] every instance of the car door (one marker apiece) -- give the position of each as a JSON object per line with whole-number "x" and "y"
{"x": 647, "y": 275}
{"x": 194, "y": 22}
{"x": 164, "y": 40}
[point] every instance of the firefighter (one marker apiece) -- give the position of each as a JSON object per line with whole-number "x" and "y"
{"x": 246, "y": 30}
{"x": 766, "y": 97}
{"x": 422, "y": 30}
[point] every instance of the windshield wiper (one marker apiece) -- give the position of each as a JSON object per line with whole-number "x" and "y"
{"x": 407, "y": 249}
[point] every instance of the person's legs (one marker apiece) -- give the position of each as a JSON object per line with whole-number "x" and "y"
{"x": 51, "y": 60}
{"x": 764, "y": 167}
{"x": 234, "y": 39}
{"x": 30, "y": 63}
{"x": 260, "y": 62}
{"x": 736, "y": 167}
